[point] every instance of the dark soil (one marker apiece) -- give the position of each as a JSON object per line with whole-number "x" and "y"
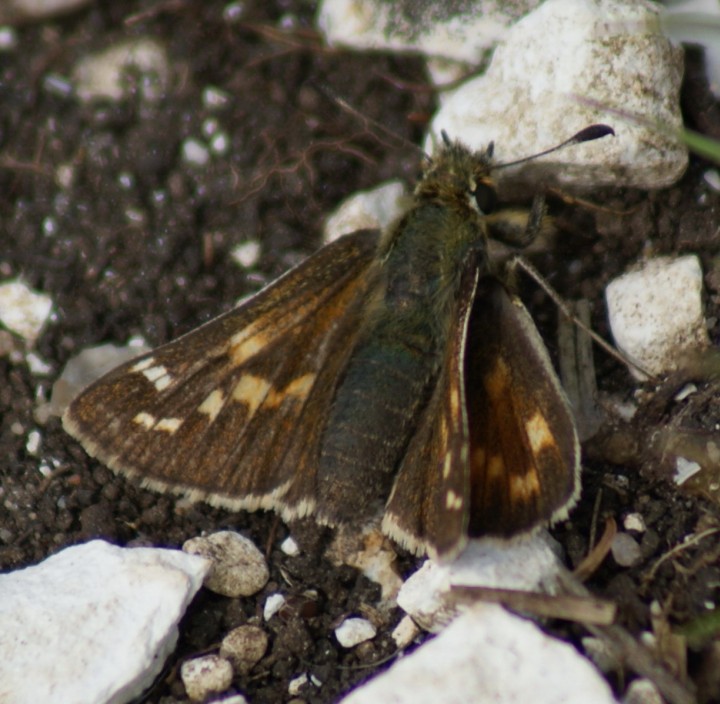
{"x": 294, "y": 155}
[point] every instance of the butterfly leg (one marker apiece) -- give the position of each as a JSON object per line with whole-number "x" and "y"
{"x": 518, "y": 228}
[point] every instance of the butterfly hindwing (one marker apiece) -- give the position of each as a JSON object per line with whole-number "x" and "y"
{"x": 524, "y": 452}
{"x": 238, "y": 391}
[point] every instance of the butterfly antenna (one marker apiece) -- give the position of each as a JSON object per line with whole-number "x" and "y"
{"x": 369, "y": 121}
{"x": 585, "y": 135}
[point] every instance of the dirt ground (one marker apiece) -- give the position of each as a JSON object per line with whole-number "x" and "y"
{"x": 139, "y": 245}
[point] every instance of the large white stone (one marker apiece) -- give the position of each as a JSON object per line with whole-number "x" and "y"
{"x": 527, "y": 564}
{"x": 567, "y": 65}
{"x": 461, "y": 33}
{"x": 489, "y": 655}
{"x": 93, "y": 623}
{"x": 371, "y": 209}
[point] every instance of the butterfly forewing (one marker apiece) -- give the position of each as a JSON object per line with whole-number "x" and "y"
{"x": 524, "y": 451}
{"x": 231, "y": 393}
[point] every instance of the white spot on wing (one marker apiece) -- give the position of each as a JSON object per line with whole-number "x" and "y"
{"x": 143, "y": 365}
{"x": 158, "y": 376}
{"x": 251, "y": 391}
{"x": 169, "y": 425}
{"x": 212, "y": 405}
{"x": 145, "y": 419}
{"x": 453, "y": 501}
{"x": 246, "y": 344}
{"x": 539, "y": 433}
{"x": 447, "y": 464}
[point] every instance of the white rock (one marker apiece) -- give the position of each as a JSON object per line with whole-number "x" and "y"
{"x": 488, "y": 655}
{"x": 194, "y": 152}
{"x": 214, "y": 98}
{"x": 206, "y": 675}
{"x": 244, "y": 647}
{"x": 625, "y": 550}
{"x": 656, "y": 312}
{"x": 93, "y": 623}
{"x": 684, "y": 469}
{"x": 273, "y": 604}
{"x": 8, "y": 39}
{"x": 290, "y": 547}
{"x": 88, "y": 365}
{"x": 19, "y": 11}
{"x": 232, "y": 699}
{"x": 370, "y": 552}
{"x": 247, "y": 254}
{"x": 37, "y": 365}
{"x": 22, "y": 310}
{"x": 371, "y": 209}
{"x": 463, "y": 34}
{"x": 104, "y": 74}
{"x": 535, "y": 95}
{"x": 527, "y": 564}
{"x": 634, "y": 521}
{"x": 695, "y": 22}
{"x": 296, "y": 684}
{"x": 238, "y": 567}
{"x": 405, "y": 632}
{"x": 642, "y": 691}
{"x": 353, "y": 631}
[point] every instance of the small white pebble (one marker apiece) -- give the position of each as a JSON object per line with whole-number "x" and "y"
{"x": 353, "y": 631}
{"x": 33, "y": 442}
{"x": 8, "y": 38}
{"x": 214, "y": 98}
{"x": 65, "y": 175}
{"x": 656, "y": 312}
{"x": 687, "y": 390}
{"x": 234, "y": 11}
{"x": 273, "y": 604}
{"x": 684, "y": 469}
{"x": 37, "y": 365}
{"x": 22, "y": 310}
{"x": 625, "y": 550}
{"x": 405, "y": 632}
{"x": 712, "y": 178}
{"x": 296, "y": 684}
{"x": 244, "y": 647}
{"x": 195, "y": 153}
{"x": 642, "y": 691}
{"x": 209, "y": 127}
{"x": 232, "y": 699}
{"x": 205, "y": 676}
{"x": 634, "y": 521}
{"x": 239, "y": 568}
{"x": 290, "y": 547}
{"x": 103, "y": 75}
{"x": 219, "y": 144}
{"x": 246, "y": 254}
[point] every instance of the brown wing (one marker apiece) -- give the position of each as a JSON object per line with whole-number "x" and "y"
{"x": 232, "y": 412}
{"x": 524, "y": 451}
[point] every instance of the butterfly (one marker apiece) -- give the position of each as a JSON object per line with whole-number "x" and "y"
{"x": 391, "y": 374}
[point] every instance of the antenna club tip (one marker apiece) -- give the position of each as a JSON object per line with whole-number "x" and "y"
{"x": 593, "y": 132}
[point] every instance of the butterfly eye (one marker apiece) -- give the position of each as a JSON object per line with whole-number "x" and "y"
{"x": 485, "y": 198}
